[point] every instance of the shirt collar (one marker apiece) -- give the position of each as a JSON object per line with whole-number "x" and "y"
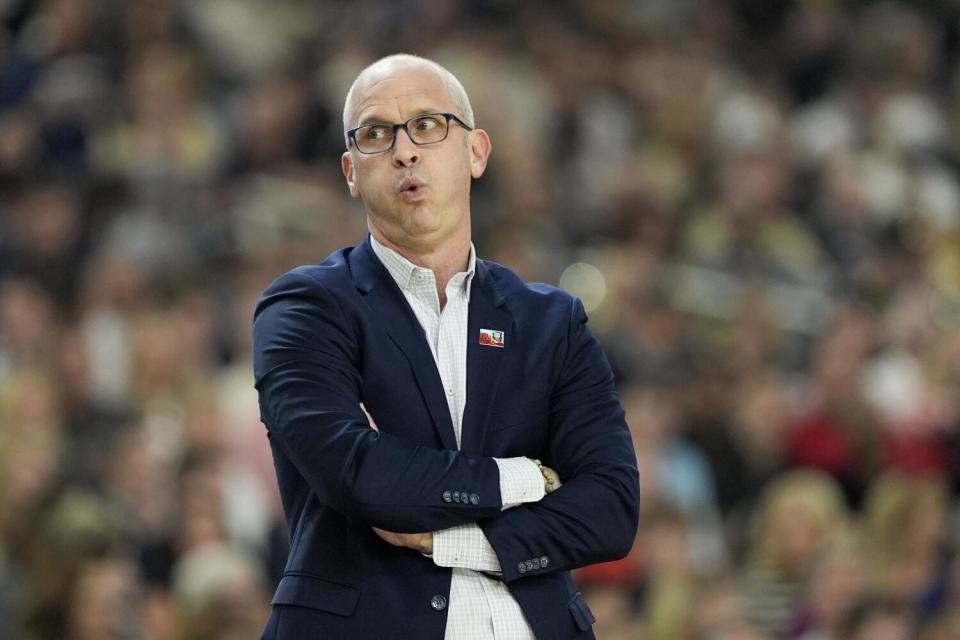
{"x": 403, "y": 271}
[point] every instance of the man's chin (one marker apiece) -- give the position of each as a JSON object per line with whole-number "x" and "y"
{"x": 424, "y": 222}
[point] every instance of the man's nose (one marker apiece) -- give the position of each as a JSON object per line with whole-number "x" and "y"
{"x": 405, "y": 153}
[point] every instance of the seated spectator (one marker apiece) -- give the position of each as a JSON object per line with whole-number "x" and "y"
{"x": 716, "y": 613}
{"x": 837, "y": 583}
{"x": 904, "y": 531}
{"x": 836, "y": 431}
{"x": 799, "y": 515}
{"x": 669, "y": 579}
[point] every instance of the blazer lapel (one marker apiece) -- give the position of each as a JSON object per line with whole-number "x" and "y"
{"x": 391, "y": 311}
{"x": 484, "y": 362}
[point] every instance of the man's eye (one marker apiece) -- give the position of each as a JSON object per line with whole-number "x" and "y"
{"x": 377, "y": 133}
{"x": 426, "y": 123}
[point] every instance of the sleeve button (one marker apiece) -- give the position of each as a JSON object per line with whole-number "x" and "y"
{"x": 447, "y": 497}
{"x": 474, "y": 499}
{"x": 521, "y": 567}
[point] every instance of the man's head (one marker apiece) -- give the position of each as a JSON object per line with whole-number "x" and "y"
{"x": 417, "y": 196}
{"x": 457, "y": 93}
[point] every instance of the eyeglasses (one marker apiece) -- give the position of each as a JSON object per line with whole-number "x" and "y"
{"x": 429, "y": 128}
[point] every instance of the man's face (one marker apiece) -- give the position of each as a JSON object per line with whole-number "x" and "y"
{"x": 415, "y": 196}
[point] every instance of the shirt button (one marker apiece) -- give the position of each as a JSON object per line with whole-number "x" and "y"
{"x": 449, "y": 392}
{"x": 474, "y": 498}
{"x": 521, "y": 567}
{"x": 438, "y": 602}
{"x": 447, "y": 497}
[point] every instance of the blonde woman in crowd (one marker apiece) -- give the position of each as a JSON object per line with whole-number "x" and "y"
{"x": 836, "y": 586}
{"x": 799, "y": 515}
{"x": 904, "y": 530}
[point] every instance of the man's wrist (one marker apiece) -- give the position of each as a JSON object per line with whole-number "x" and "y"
{"x": 426, "y": 543}
{"x": 520, "y": 481}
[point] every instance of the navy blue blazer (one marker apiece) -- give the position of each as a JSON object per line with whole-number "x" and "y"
{"x": 330, "y": 336}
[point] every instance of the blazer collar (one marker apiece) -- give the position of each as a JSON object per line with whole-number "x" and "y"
{"x": 368, "y": 272}
{"x": 487, "y": 311}
{"x": 485, "y": 363}
{"x": 366, "y": 268}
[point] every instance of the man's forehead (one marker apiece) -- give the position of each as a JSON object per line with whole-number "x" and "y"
{"x": 403, "y": 71}
{"x": 414, "y": 102}
{"x": 407, "y": 83}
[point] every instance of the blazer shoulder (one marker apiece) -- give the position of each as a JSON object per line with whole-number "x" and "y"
{"x": 331, "y": 274}
{"x": 538, "y": 294}
{"x": 305, "y": 308}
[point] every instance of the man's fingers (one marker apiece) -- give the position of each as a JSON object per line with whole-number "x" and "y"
{"x": 422, "y": 542}
{"x": 551, "y": 478}
{"x": 388, "y": 536}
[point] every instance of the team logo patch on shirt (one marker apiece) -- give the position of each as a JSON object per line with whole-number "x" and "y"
{"x": 491, "y": 338}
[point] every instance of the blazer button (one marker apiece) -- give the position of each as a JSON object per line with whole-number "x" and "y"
{"x": 438, "y": 602}
{"x": 447, "y": 497}
{"x": 521, "y": 567}
{"x": 474, "y": 498}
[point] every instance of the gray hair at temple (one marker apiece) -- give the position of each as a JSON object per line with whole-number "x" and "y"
{"x": 457, "y": 93}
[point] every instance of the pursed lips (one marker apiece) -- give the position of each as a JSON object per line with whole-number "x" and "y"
{"x": 411, "y": 188}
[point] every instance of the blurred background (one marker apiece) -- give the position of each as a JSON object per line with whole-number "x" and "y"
{"x": 758, "y": 202}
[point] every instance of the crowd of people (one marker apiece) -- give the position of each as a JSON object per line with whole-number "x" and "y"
{"x": 758, "y": 202}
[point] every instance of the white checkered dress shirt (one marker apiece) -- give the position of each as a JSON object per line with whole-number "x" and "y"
{"x": 480, "y": 607}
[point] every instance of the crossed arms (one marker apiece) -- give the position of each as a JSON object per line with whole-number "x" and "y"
{"x": 305, "y": 358}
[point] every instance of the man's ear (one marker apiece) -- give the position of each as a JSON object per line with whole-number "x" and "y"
{"x": 346, "y": 163}
{"x": 480, "y": 148}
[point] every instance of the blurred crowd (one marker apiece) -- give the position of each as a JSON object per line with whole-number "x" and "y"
{"x": 759, "y": 203}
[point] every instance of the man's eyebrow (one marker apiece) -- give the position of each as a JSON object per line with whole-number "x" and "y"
{"x": 375, "y": 119}
{"x": 372, "y": 119}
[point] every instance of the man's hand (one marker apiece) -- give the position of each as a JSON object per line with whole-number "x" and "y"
{"x": 551, "y": 479}
{"x": 422, "y": 542}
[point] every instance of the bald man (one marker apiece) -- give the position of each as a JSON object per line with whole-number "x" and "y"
{"x": 447, "y": 438}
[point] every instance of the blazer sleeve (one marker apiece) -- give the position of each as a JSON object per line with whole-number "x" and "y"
{"x": 593, "y": 517}
{"x": 306, "y": 356}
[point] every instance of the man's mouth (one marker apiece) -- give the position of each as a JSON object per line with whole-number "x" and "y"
{"x": 411, "y": 188}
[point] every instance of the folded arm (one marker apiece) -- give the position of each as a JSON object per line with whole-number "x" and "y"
{"x": 305, "y": 362}
{"x": 466, "y": 546}
{"x": 593, "y": 516}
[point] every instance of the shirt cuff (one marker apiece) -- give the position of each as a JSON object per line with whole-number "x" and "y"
{"x": 464, "y": 547}
{"x": 520, "y": 481}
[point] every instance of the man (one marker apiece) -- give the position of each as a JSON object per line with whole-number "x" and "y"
{"x": 428, "y": 517}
